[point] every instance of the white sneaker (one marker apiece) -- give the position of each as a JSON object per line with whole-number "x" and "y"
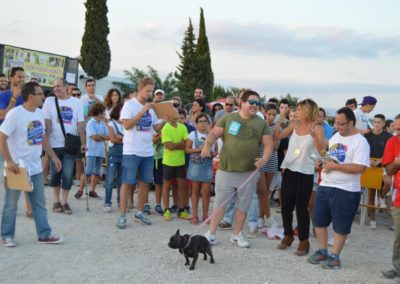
{"x": 271, "y": 222}
{"x": 261, "y": 223}
{"x": 383, "y": 203}
{"x": 240, "y": 240}
{"x": 107, "y": 209}
{"x": 372, "y": 225}
{"x": 252, "y": 231}
{"x": 9, "y": 242}
{"x": 212, "y": 238}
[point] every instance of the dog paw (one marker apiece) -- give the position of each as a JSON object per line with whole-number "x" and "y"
{"x": 212, "y": 261}
{"x": 191, "y": 268}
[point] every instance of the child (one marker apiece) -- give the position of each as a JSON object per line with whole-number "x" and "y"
{"x": 200, "y": 169}
{"x": 114, "y": 160}
{"x": 96, "y": 135}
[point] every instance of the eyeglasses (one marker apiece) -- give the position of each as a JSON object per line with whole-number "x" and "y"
{"x": 254, "y": 102}
{"x": 341, "y": 124}
{"x": 202, "y": 121}
{"x": 229, "y": 105}
{"x": 39, "y": 94}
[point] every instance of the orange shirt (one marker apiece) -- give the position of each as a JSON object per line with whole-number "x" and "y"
{"x": 391, "y": 152}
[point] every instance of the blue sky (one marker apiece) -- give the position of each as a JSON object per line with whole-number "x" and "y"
{"x": 328, "y": 50}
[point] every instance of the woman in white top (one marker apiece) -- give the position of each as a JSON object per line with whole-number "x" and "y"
{"x": 112, "y": 98}
{"x": 306, "y": 139}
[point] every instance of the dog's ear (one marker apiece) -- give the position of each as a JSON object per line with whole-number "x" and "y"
{"x": 177, "y": 232}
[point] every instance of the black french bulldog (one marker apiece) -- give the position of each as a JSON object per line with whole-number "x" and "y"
{"x": 191, "y": 246}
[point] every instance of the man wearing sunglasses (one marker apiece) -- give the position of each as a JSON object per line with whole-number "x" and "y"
{"x": 243, "y": 133}
{"x": 229, "y": 106}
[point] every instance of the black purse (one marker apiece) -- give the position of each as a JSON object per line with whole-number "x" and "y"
{"x": 72, "y": 144}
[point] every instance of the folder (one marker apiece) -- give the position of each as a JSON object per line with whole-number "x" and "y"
{"x": 164, "y": 109}
{"x": 19, "y": 181}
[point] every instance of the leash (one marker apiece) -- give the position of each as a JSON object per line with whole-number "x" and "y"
{"x": 241, "y": 186}
{"x": 190, "y": 237}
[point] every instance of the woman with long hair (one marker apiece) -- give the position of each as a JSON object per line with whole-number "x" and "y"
{"x": 112, "y": 98}
{"x": 198, "y": 107}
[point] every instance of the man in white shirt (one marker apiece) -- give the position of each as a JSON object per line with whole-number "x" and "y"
{"x": 71, "y": 111}
{"x": 338, "y": 195}
{"x": 138, "y": 119}
{"x": 363, "y": 125}
{"x": 22, "y": 139}
{"x": 90, "y": 98}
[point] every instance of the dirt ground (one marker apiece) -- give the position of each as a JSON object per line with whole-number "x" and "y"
{"x": 96, "y": 251}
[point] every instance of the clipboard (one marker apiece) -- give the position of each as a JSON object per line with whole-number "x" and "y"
{"x": 164, "y": 109}
{"x": 19, "y": 181}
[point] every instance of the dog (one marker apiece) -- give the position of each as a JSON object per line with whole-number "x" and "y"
{"x": 191, "y": 246}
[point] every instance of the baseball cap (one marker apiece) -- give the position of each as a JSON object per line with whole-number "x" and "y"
{"x": 159, "y": 91}
{"x": 368, "y": 100}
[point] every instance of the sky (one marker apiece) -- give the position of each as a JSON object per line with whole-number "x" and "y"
{"x": 326, "y": 50}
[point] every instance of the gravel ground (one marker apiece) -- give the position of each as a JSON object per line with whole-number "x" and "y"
{"x": 95, "y": 251}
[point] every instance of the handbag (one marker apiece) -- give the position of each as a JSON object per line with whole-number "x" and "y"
{"x": 72, "y": 144}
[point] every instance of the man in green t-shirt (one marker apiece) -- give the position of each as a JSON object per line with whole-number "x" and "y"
{"x": 243, "y": 133}
{"x": 174, "y": 136}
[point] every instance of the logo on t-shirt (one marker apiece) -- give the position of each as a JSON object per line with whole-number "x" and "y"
{"x": 66, "y": 113}
{"x": 35, "y": 133}
{"x": 338, "y": 151}
{"x": 234, "y": 128}
{"x": 144, "y": 124}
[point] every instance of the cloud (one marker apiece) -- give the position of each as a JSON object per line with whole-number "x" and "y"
{"x": 319, "y": 42}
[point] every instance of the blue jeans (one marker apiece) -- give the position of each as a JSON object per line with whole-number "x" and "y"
{"x": 252, "y": 215}
{"x": 65, "y": 177}
{"x": 114, "y": 167}
{"x": 38, "y": 203}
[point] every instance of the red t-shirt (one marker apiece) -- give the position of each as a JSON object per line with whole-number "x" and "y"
{"x": 391, "y": 152}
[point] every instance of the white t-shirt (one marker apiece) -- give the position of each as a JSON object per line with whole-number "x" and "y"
{"x": 25, "y": 131}
{"x": 362, "y": 121}
{"x": 88, "y": 102}
{"x": 71, "y": 111}
{"x": 201, "y": 136}
{"x": 138, "y": 140}
{"x": 352, "y": 149}
{"x": 120, "y": 129}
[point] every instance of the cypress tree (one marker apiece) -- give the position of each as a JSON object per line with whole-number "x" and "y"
{"x": 186, "y": 69}
{"x": 95, "y": 51}
{"x": 204, "y": 73}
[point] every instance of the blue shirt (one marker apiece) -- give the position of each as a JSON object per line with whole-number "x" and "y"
{"x": 95, "y": 148}
{"x": 328, "y": 130}
{"x": 5, "y": 97}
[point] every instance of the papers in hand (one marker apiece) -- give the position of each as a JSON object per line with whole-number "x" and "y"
{"x": 20, "y": 181}
{"x": 165, "y": 109}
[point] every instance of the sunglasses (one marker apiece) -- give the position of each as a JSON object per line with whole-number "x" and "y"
{"x": 229, "y": 105}
{"x": 254, "y": 102}
{"x": 76, "y": 95}
{"x": 176, "y": 104}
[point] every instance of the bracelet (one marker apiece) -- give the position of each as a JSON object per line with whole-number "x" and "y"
{"x": 13, "y": 100}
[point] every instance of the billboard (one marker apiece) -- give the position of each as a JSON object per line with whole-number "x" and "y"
{"x": 43, "y": 66}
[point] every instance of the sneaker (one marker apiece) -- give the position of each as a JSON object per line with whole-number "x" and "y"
{"x": 94, "y": 194}
{"x": 174, "y": 209}
{"x": 9, "y": 243}
{"x": 212, "y": 238}
{"x": 184, "y": 215}
{"x": 390, "y": 274}
{"x": 372, "y": 225}
{"x": 51, "y": 240}
{"x": 167, "y": 215}
{"x": 252, "y": 231}
{"x": 261, "y": 223}
{"x": 382, "y": 203}
{"x": 317, "y": 257}
{"x": 142, "y": 219}
{"x": 188, "y": 210}
{"x": 331, "y": 263}
{"x": 240, "y": 240}
{"x": 159, "y": 209}
{"x": 122, "y": 221}
{"x": 146, "y": 209}
{"x": 107, "y": 209}
{"x": 270, "y": 222}
{"x": 78, "y": 194}
{"x": 225, "y": 226}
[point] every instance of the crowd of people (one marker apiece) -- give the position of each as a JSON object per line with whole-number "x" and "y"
{"x": 261, "y": 149}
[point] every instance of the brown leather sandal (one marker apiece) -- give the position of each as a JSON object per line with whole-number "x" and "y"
{"x": 66, "y": 209}
{"x": 57, "y": 207}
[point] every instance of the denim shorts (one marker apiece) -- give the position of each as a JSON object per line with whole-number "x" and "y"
{"x": 64, "y": 177}
{"x": 93, "y": 166}
{"x": 202, "y": 172}
{"x": 337, "y": 206}
{"x": 132, "y": 165}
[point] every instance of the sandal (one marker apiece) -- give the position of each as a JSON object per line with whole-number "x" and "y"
{"x": 194, "y": 220}
{"x": 57, "y": 207}
{"x": 29, "y": 214}
{"x": 66, "y": 209}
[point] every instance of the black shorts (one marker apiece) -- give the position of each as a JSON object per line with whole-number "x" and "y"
{"x": 158, "y": 172}
{"x": 170, "y": 173}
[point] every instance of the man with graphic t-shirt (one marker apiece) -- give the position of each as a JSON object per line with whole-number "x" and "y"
{"x": 391, "y": 161}
{"x": 138, "y": 119}
{"x": 90, "y": 98}
{"x": 71, "y": 111}
{"x": 338, "y": 195}
{"x": 22, "y": 140}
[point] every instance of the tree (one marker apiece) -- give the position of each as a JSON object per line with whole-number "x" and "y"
{"x": 222, "y": 92}
{"x": 95, "y": 51}
{"x": 292, "y": 100}
{"x": 186, "y": 68}
{"x": 168, "y": 85}
{"x": 203, "y": 69}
